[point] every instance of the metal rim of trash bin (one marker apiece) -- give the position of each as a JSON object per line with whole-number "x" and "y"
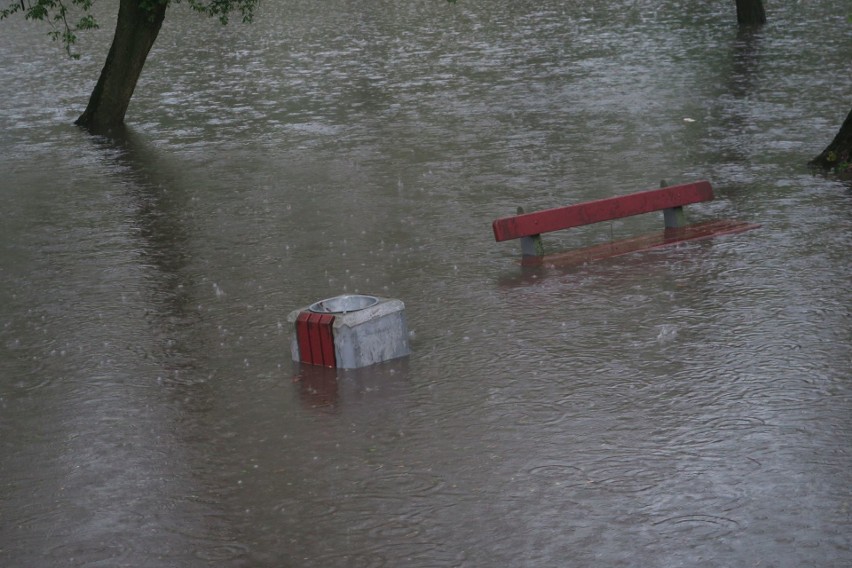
{"x": 343, "y": 304}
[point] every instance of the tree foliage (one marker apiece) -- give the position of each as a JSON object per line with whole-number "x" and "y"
{"x": 58, "y": 14}
{"x": 68, "y": 17}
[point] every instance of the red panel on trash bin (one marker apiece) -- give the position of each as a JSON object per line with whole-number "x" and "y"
{"x": 327, "y": 340}
{"x": 303, "y": 338}
{"x": 315, "y": 335}
{"x": 325, "y": 336}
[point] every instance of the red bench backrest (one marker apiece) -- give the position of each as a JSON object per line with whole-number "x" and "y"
{"x": 590, "y": 212}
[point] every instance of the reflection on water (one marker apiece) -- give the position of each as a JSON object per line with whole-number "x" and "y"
{"x": 688, "y": 406}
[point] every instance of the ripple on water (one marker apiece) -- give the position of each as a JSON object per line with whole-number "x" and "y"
{"x": 92, "y": 552}
{"x": 734, "y": 423}
{"x": 392, "y": 529}
{"x": 528, "y": 413}
{"x": 628, "y": 473}
{"x": 354, "y": 558}
{"x": 768, "y": 391}
{"x": 401, "y": 484}
{"x": 220, "y": 552}
{"x": 411, "y": 553}
{"x": 698, "y": 525}
{"x": 304, "y": 509}
{"x": 558, "y": 474}
{"x": 211, "y": 540}
{"x": 703, "y": 433}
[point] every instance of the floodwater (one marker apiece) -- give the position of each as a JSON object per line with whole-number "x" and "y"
{"x": 690, "y": 406}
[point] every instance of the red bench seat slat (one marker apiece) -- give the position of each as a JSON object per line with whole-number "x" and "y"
{"x": 601, "y": 210}
{"x": 668, "y": 237}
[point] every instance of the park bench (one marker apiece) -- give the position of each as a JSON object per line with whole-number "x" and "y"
{"x": 528, "y": 227}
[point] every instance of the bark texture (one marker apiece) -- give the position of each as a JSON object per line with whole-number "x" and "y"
{"x": 838, "y": 154}
{"x": 135, "y": 32}
{"x": 750, "y": 12}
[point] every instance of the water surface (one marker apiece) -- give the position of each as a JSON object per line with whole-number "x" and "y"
{"x": 685, "y": 407}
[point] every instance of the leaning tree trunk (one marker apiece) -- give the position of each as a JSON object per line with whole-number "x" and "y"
{"x": 750, "y": 12}
{"x": 135, "y": 32}
{"x": 839, "y": 152}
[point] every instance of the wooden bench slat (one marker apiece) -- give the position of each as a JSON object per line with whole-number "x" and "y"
{"x": 664, "y": 238}
{"x": 530, "y": 224}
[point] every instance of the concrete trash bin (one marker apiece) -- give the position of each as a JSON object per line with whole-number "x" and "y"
{"x": 349, "y": 331}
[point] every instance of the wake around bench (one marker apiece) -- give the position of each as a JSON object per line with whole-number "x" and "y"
{"x": 671, "y": 200}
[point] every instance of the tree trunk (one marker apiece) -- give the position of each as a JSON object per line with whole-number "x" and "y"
{"x": 838, "y": 154}
{"x": 135, "y": 32}
{"x": 750, "y": 13}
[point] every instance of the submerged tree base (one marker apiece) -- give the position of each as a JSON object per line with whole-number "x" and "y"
{"x": 750, "y": 13}
{"x": 136, "y": 30}
{"x": 837, "y": 156}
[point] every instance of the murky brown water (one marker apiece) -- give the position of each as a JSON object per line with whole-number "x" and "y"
{"x": 686, "y": 407}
